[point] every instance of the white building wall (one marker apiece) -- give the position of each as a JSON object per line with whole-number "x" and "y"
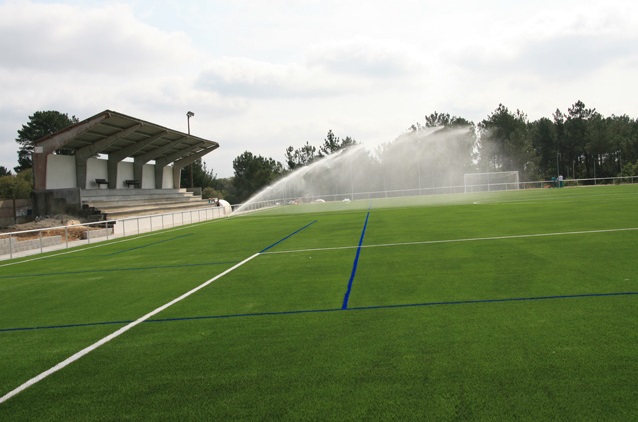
{"x": 95, "y": 169}
{"x": 61, "y": 172}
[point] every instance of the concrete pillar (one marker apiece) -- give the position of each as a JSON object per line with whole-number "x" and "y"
{"x": 80, "y": 172}
{"x": 177, "y": 172}
{"x": 39, "y": 160}
{"x": 159, "y": 176}
{"x": 111, "y": 169}
{"x": 138, "y": 170}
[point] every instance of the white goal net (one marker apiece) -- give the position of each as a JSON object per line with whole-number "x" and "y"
{"x": 488, "y": 182}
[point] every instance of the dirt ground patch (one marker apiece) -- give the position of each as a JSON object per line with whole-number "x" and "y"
{"x": 56, "y": 225}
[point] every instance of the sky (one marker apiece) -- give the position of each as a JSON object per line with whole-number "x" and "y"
{"x": 262, "y": 75}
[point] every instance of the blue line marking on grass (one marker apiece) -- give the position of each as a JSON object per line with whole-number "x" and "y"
{"x": 314, "y": 311}
{"x": 477, "y": 301}
{"x": 109, "y": 270}
{"x": 355, "y": 264}
{"x": 290, "y": 235}
{"x": 149, "y": 244}
{"x": 51, "y": 327}
{"x": 253, "y": 314}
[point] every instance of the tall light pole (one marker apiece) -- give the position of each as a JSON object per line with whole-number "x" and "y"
{"x": 190, "y": 114}
{"x": 557, "y": 165}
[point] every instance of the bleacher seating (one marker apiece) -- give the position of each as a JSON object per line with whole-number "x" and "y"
{"x": 112, "y": 204}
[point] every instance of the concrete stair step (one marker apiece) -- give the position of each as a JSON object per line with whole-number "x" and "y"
{"x": 165, "y": 206}
{"x": 139, "y": 196}
{"x": 118, "y": 213}
{"x": 120, "y": 203}
{"x": 142, "y": 202}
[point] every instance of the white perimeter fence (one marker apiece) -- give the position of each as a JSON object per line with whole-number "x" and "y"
{"x": 30, "y": 242}
{"x": 493, "y": 187}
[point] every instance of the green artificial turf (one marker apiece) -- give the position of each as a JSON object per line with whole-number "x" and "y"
{"x": 504, "y": 306}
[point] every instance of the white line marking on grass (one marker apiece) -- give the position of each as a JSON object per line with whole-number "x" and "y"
{"x": 117, "y": 333}
{"x": 473, "y": 239}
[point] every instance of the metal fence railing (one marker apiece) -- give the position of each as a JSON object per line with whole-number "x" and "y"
{"x": 35, "y": 241}
{"x": 423, "y": 191}
{"x": 29, "y": 242}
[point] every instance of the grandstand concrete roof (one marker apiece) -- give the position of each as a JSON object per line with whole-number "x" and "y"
{"x": 119, "y": 137}
{"x": 111, "y": 132}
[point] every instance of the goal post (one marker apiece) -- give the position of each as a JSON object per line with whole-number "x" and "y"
{"x": 489, "y": 182}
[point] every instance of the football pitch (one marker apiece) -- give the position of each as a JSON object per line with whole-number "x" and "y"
{"x": 519, "y": 305}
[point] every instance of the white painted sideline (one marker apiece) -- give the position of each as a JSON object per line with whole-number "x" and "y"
{"x": 471, "y": 239}
{"x": 117, "y": 333}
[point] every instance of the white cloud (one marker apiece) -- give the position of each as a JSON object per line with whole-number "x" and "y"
{"x": 367, "y": 58}
{"x": 329, "y": 69}
{"x": 244, "y": 77}
{"x": 263, "y": 75}
{"x": 556, "y": 55}
{"x": 101, "y": 40}
{"x": 248, "y": 78}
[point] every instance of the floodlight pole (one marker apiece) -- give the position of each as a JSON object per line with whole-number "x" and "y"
{"x": 557, "y": 166}
{"x": 190, "y": 114}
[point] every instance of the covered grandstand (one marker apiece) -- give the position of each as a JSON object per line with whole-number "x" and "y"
{"x": 107, "y": 154}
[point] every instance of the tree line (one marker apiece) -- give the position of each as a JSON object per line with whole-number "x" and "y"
{"x": 579, "y": 143}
